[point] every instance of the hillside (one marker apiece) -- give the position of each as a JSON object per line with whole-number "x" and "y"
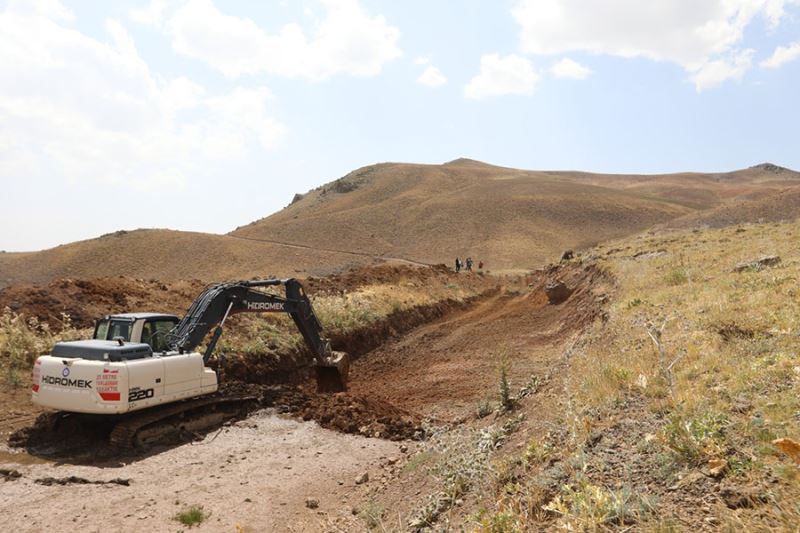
{"x": 775, "y": 207}
{"x": 510, "y": 219}
{"x": 168, "y": 256}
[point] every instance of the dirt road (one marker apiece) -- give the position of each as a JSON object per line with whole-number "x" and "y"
{"x": 255, "y": 475}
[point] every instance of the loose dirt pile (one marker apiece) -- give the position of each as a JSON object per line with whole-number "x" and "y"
{"x": 381, "y": 275}
{"x": 349, "y": 413}
{"x": 86, "y": 300}
{"x": 84, "y": 438}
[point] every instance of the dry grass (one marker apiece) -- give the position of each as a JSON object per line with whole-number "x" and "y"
{"x": 724, "y": 369}
{"x": 169, "y": 255}
{"x": 276, "y": 335}
{"x": 711, "y": 357}
{"x": 509, "y": 218}
{"x": 23, "y": 339}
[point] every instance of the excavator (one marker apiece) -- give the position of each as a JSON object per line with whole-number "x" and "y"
{"x": 144, "y": 370}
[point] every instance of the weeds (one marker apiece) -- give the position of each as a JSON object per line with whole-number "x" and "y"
{"x": 484, "y": 409}
{"x": 692, "y": 440}
{"x": 506, "y": 402}
{"x": 590, "y": 507}
{"x": 372, "y": 515}
{"x": 193, "y": 516}
{"x": 676, "y": 276}
{"x": 465, "y": 462}
{"x": 23, "y": 339}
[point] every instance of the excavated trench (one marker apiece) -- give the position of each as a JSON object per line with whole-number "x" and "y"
{"x": 282, "y": 384}
{"x": 390, "y": 396}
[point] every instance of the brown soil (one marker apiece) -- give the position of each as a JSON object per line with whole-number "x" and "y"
{"x": 407, "y": 214}
{"x": 510, "y": 218}
{"x": 86, "y": 300}
{"x": 445, "y": 367}
{"x": 349, "y": 413}
{"x": 436, "y": 363}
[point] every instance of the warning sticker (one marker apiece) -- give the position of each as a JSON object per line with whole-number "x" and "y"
{"x": 107, "y": 385}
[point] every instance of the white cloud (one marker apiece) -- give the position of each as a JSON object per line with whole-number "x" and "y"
{"x": 696, "y": 35}
{"x": 570, "y": 69}
{"x": 714, "y": 73}
{"x": 499, "y": 76}
{"x": 347, "y": 40}
{"x": 89, "y": 110}
{"x": 782, "y": 55}
{"x": 50, "y": 9}
{"x": 422, "y": 60}
{"x": 150, "y": 15}
{"x": 432, "y": 77}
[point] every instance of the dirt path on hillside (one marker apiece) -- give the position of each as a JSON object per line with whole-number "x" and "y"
{"x": 400, "y": 260}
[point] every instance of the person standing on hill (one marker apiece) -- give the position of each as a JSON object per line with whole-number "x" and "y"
{"x": 458, "y": 264}
{"x": 469, "y": 264}
{"x": 480, "y": 265}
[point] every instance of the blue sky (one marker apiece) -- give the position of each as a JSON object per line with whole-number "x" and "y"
{"x": 204, "y": 115}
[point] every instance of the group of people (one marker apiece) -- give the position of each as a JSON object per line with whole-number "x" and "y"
{"x": 467, "y": 264}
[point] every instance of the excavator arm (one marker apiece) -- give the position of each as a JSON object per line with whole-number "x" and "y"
{"x": 211, "y": 309}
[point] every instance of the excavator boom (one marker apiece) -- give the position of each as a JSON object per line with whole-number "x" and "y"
{"x": 217, "y": 302}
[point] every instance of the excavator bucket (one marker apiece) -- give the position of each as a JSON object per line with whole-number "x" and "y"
{"x": 332, "y": 372}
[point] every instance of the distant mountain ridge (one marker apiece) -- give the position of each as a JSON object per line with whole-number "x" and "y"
{"x": 511, "y": 219}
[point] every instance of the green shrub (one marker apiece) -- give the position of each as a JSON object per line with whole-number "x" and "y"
{"x": 676, "y": 276}
{"x": 193, "y": 516}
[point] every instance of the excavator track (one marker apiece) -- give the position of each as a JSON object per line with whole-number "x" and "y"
{"x": 176, "y": 421}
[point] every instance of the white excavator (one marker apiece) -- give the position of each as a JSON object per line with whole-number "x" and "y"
{"x": 144, "y": 370}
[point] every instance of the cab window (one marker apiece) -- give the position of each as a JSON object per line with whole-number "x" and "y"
{"x": 111, "y": 329}
{"x": 154, "y": 333}
{"x": 101, "y": 329}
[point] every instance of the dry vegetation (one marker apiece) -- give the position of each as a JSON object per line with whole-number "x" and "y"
{"x": 511, "y": 219}
{"x": 344, "y": 314}
{"x": 360, "y": 299}
{"x": 674, "y": 406}
{"x": 23, "y": 339}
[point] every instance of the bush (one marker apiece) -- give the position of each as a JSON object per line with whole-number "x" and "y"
{"x": 23, "y": 339}
{"x": 193, "y": 516}
{"x": 589, "y": 507}
{"x": 692, "y": 440}
{"x": 677, "y": 276}
{"x": 506, "y": 402}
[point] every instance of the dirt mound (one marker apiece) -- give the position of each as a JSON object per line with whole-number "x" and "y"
{"x": 86, "y": 300}
{"x": 349, "y": 413}
{"x": 376, "y": 275}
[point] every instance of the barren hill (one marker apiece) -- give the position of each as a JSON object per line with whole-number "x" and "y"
{"x": 169, "y": 256}
{"x": 773, "y": 207}
{"x": 511, "y": 219}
